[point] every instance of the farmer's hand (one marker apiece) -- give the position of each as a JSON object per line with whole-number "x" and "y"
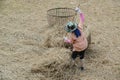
{"x": 77, "y": 10}
{"x": 66, "y": 40}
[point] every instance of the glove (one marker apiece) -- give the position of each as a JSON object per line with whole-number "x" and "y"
{"x": 78, "y": 10}
{"x": 66, "y": 40}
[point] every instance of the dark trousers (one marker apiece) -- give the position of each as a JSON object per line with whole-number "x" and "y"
{"x": 79, "y": 54}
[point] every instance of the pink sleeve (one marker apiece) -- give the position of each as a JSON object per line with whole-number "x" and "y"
{"x": 72, "y": 39}
{"x": 68, "y": 41}
{"x": 82, "y": 19}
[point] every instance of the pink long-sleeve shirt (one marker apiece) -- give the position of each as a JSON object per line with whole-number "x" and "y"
{"x": 80, "y": 43}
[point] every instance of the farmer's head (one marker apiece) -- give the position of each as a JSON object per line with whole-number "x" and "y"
{"x": 70, "y": 27}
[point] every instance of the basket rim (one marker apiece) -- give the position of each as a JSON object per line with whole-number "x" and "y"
{"x": 61, "y": 8}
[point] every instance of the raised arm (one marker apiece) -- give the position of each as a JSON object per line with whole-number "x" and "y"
{"x": 81, "y": 17}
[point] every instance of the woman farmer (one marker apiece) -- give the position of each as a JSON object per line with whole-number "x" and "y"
{"x": 77, "y": 39}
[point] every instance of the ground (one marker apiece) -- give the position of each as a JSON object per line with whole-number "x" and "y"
{"x": 23, "y": 23}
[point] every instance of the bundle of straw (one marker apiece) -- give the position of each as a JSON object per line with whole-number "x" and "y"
{"x": 55, "y": 37}
{"x": 55, "y": 64}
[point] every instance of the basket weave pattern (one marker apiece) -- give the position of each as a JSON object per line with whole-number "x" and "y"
{"x": 60, "y": 16}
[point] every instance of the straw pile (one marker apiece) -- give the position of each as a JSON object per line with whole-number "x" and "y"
{"x": 55, "y": 36}
{"x": 55, "y": 63}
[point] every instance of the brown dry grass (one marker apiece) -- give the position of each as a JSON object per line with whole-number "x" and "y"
{"x": 24, "y": 31}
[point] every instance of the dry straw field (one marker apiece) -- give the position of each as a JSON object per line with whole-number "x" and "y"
{"x": 32, "y": 50}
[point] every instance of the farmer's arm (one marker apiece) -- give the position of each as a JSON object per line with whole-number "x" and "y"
{"x": 81, "y": 17}
{"x": 72, "y": 38}
{"x": 69, "y": 40}
{"x": 81, "y": 20}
